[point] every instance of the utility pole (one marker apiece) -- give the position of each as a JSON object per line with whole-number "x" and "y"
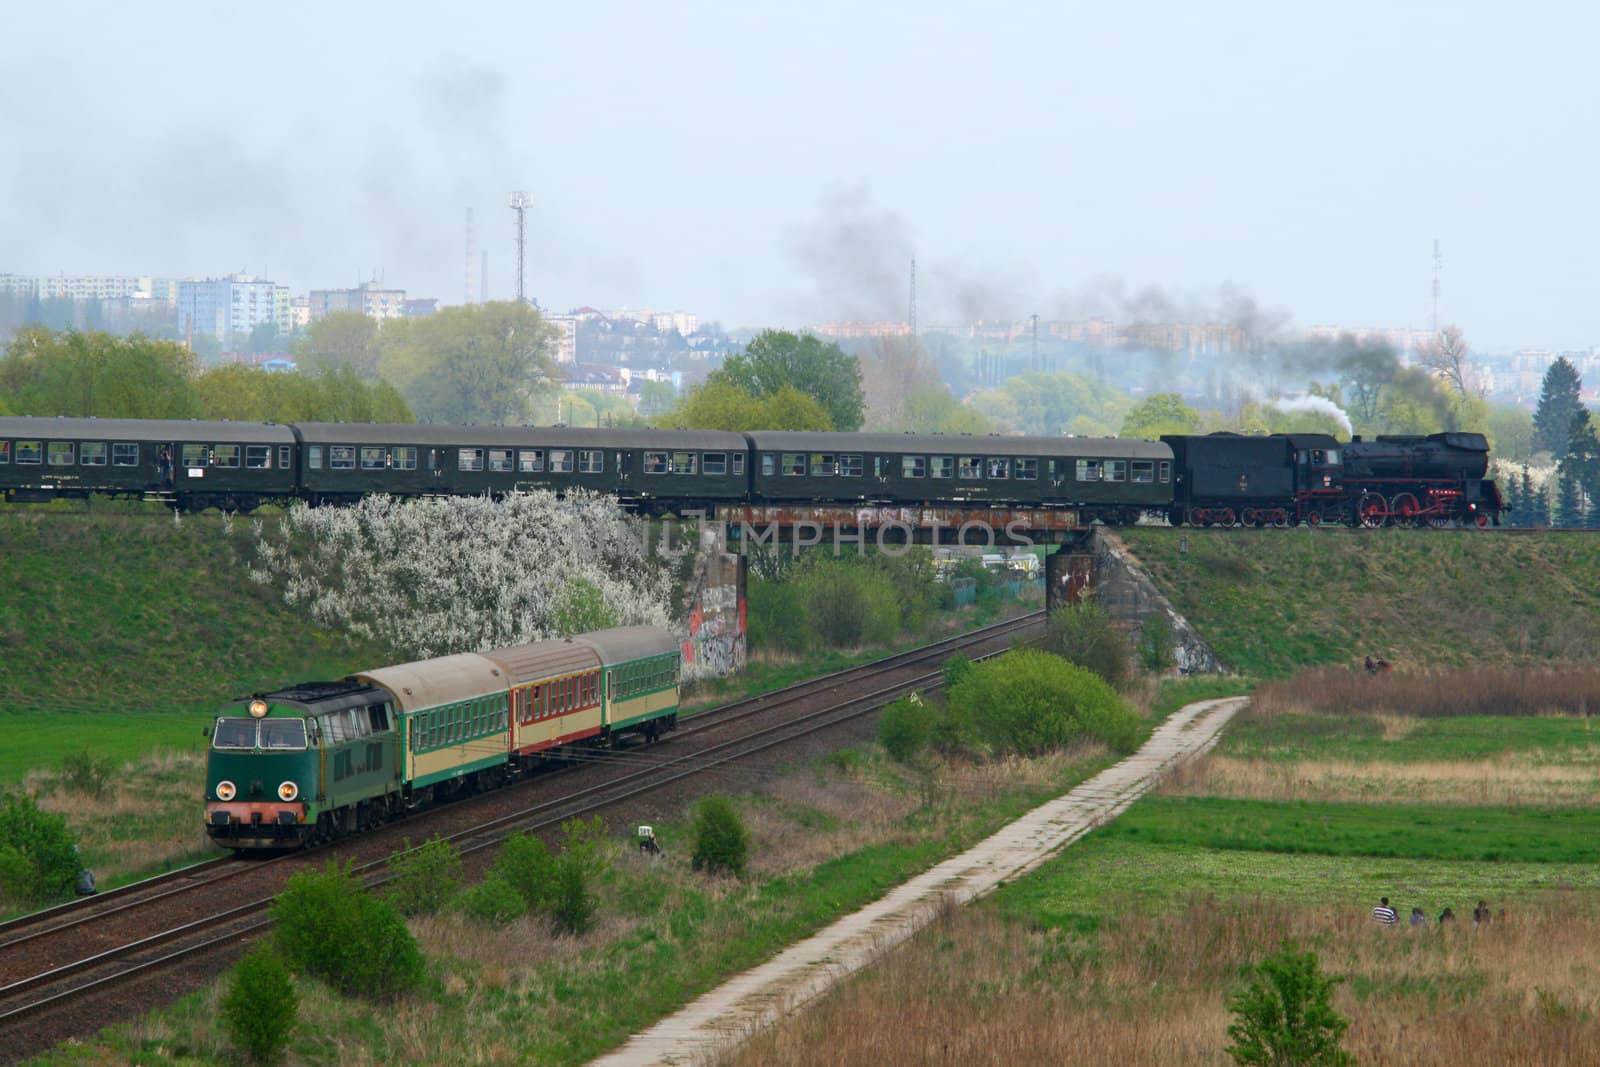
{"x": 913, "y": 314}
{"x": 1036, "y": 342}
{"x": 469, "y": 257}
{"x": 1438, "y": 266}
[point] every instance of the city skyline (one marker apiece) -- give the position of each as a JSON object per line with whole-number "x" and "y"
{"x": 782, "y": 168}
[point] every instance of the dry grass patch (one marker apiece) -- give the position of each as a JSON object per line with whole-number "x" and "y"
{"x": 977, "y": 989}
{"x": 1430, "y": 694}
{"x": 1507, "y": 781}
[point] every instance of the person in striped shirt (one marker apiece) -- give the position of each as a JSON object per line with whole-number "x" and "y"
{"x": 1384, "y": 914}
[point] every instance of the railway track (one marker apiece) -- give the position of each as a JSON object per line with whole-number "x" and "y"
{"x": 68, "y": 970}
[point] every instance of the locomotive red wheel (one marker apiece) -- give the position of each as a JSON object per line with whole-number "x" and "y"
{"x": 1481, "y": 521}
{"x": 1250, "y": 517}
{"x": 1406, "y": 509}
{"x": 1314, "y": 519}
{"x": 1224, "y": 516}
{"x": 1373, "y": 510}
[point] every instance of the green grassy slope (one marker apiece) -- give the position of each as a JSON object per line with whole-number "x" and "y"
{"x": 131, "y": 615}
{"x": 1271, "y": 601}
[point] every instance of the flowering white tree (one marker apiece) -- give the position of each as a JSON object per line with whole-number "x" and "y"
{"x": 466, "y": 574}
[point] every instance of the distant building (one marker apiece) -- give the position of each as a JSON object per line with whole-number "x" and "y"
{"x": 230, "y": 308}
{"x": 417, "y": 307}
{"x": 299, "y": 312}
{"x": 681, "y": 321}
{"x": 368, "y": 300}
{"x": 842, "y": 331}
{"x": 91, "y": 287}
{"x": 567, "y": 340}
{"x": 596, "y": 378}
{"x": 1406, "y": 341}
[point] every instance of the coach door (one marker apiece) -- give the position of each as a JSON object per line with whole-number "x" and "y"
{"x": 624, "y": 467}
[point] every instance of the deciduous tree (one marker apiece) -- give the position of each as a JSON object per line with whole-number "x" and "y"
{"x": 777, "y": 359}
{"x": 479, "y": 363}
{"x": 719, "y": 405}
{"x": 1159, "y": 414}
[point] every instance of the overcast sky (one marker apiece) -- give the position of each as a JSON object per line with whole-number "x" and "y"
{"x": 759, "y": 165}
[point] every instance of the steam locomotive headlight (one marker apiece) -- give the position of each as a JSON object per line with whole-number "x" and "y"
{"x": 258, "y": 708}
{"x": 288, "y": 791}
{"x": 226, "y": 790}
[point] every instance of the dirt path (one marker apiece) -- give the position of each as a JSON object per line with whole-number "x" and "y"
{"x": 723, "y": 1017}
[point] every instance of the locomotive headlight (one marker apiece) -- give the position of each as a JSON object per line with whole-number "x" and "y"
{"x": 226, "y": 790}
{"x": 288, "y": 791}
{"x": 258, "y": 708}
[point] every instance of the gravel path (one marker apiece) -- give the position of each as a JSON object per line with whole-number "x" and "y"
{"x": 722, "y": 1018}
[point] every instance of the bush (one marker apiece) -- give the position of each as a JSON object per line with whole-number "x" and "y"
{"x": 574, "y": 906}
{"x": 775, "y": 618}
{"x": 848, "y": 604}
{"x": 426, "y": 878}
{"x": 525, "y": 864}
{"x": 328, "y": 925}
{"x": 1084, "y": 634}
{"x": 1029, "y": 702}
{"x": 955, "y": 668}
{"x": 493, "y": 900}
{"x": 86, "y": 773}
{"x": 1283, "y": 1015}
{"x": 260, "y": 1006}
{"x": 905, "y": 727}
{"x": 38, "y": 857}
{"x": 721, "y": 843}
{"x": 1155, "y": 643}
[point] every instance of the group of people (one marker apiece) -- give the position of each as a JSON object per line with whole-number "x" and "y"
{"x": 1378, "y": 666}
{"x": 1384, "y": 914}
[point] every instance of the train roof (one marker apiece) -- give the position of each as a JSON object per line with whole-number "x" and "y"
{"x": 971, "y": 444}
{"x": 544, "y": 659}
{"x": 79, "y": 429}
{"x": 623, "y": 644}
{"x": 431, "y": 682}
{"x": 393, "y": 433}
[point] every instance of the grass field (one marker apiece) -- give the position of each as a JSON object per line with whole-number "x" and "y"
{"x": 1272, "y": 601}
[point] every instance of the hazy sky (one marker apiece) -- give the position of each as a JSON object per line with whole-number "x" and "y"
{"x": 760, "y": 165}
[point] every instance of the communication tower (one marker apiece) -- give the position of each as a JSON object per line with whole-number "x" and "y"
{"x": 1438, "y": 266}
{"x": 913, "y": 309}
{"x": 519, "y": 204}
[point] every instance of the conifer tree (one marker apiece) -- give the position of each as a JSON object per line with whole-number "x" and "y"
{"x": 1569, "y": 503}
{"x": 1512, "y": 514}
{"x": 1558, "y": 403}
{"x": 1535, "y": 509}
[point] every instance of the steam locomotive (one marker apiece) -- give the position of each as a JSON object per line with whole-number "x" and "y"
{"x": 1221, "y": 479}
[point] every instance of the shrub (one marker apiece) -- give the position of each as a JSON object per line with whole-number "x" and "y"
{"x": 1155, "y": 643}
{"x": 775, "y": 616}
{"x": 1029, "y": 702}
{"x": 848, "y": 604}
{"x": 955, "y": 668}
{"x": 1084, "y": 634}
{"x": 260, "y": 1006}
{"x": 574, "y": 906}
{"x": 426, "y": 878}
{"x": 38, "y": 857}
{"x": 721, "y": 843}
{"x": 1283, "y": 1015}
{"x": 493, "y": 900}
{"x": 327, "y": 924}
{"x": 905, "y": 727}
{"x": 86, "y": 773}
{"x": 525, "y": 864}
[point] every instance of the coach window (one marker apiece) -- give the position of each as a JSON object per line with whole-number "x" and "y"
{"x": 824, "y": 464}
{"x": 561, "y": 461}
{"x": 1027, "y": 470}
{"x": 92, "y": 454}
{"x": 403, "y": 458}
{"x": 714, "y": 464}
{"x": 122, "y": 455}
{"x": 314, "y": 457}
{"x": 225, "y": 456}
{"x": 999, "y": 467}
{"x": 1166, "y": 470}
{"x": 684, "y": 462}
{"x": 343, "y": 457}
{"x": 195, "y": 456}
{"x": 591, "y": 461}
{"x": 738, "y": 464}
{"x": 373, "y": 457}
{"x": 655, "y": 463}
{"x": 257, "y": 457}
{"x": 850, "y": 466}
{"x": 913, "y": 466}
{"x": 1088, "y": 470}
{"x": 1116, "y": 470}
{"x": 530, "y": 460}
{"x": 1144, "y": 471}
{"x": 29, "y": 451}
{"x": 794, "y": 464}
{"x": 283, "y": 457}
{"x": 971, "y": 467}
{"x": 5, "y": 451}
{"x": 500, "y": 460}
{"x": 469, "y": 459}
{"x": 59, "y": 453}
{"x": 769, "y": 464}
{"x": 944, "y": 466}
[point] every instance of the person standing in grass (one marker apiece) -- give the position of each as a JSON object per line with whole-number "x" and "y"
{"x": 1480, "y": 914}
{"x": 1417, "y": 918}
{"x": 1384, "y": 914}
{"x": 1447, "y": 916}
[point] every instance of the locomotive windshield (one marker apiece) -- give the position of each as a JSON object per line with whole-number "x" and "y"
{"x": 265, "y": 733}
